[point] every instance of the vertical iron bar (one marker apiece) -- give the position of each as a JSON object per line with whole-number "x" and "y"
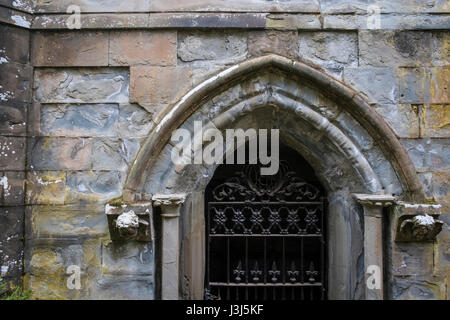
{"x": 265, "y": 267}
{"x": 246, "y": 267}
{"x": 301, "y": 269}
{"x": 283, "y": 269}
{"x": 228, "y": 267}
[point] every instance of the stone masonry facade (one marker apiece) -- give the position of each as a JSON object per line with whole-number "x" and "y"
{"x": 76, "y": 107}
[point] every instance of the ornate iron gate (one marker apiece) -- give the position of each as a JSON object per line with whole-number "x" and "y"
{"x": 265, "y": 237}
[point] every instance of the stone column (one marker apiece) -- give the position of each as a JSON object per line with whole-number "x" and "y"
{"x": 170, "y": 242}
{"x": 373, "y": 242}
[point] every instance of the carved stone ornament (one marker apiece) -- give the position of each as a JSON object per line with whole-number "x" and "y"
{"x": 168, "y": 199}
{"x": 130, "y": 221}
{"x": 417, "y": 222}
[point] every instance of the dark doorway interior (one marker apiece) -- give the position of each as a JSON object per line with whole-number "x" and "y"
{"x": 265, "y": 236}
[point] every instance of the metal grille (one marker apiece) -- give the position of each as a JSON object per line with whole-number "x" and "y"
{"x": 265, "y": 238}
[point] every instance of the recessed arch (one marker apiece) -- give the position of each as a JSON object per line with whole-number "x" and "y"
{"x": 348, "y": 99}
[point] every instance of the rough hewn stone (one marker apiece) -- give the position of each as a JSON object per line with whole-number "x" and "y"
{"x": 132, "y": 258}
{"x": 332, "y": 50}
{"x": 284, "y": 43}
{"x": 12, "y": 156}
{"x": 94, "y": 186}
{"x": 81, "y": 85}
{"x": 378, "y": 85}
{"x": 394, "y": 48}
{"x": 14, "y": 82}
{"x": 11, "y": 243}
{"x": 403, "y": 118}
{"x": 59, "y": 153}
{"x": 75, "y": 120}
{"x": 437, "y": 121}
{"x": 428, "y": 153}
{"x": 143, "y": 48}
{"x": 13, "y": 188}
{"x": 46, "y": 187}
{"x": 113, "y": 154}
{"x": 212, "y": 47}
{"x": 412, "y": 259}
{"x": 14, "y": 44}
{"x": 236, "y": 5}
{"x": 417, "y": 288}
{"x": 134, "y": 121}
{"x": 66, "y": 221}
{"x": 70, "y": 49}
{"x": 155, "y": 87}
{"x": 424, "y": 85}
{"x": 13, "y": 119}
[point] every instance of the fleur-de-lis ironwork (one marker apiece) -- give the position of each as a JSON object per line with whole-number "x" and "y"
{"x": 220, "y": 220}
{"x": 256, "y": 272}
{"x": 238, "y": 272}
{"x": 256, "y": 219}
{"x": 293, "y": 273}
{"x": 311, "y": 221}
{"x": 239, "y": 219}
{"x": 311, "y": 273}
{"x": 274, "y": 273}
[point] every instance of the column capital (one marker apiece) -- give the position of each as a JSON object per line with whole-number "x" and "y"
{"x": 375, "y": 200}
{"x": 168, "y": 199}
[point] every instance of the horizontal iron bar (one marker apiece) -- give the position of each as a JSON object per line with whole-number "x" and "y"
{"x": 306, "y": 284}
{"x": 267, "y": 235}
{"x": 267, "y": 203}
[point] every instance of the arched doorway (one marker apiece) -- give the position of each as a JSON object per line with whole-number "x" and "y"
{"x": 350, "y": 147}
{"x": 265, "y": 235}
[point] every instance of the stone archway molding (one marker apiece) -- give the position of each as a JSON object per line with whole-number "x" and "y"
{"x": 173, "y": 116}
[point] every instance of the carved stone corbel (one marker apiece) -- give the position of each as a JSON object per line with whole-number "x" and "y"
{"x": 416, "y": 222}
{"x": 170, "y": 213}
{"x": 130, "y": 221}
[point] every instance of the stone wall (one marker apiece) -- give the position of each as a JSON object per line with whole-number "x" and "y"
{"x": 76, "y": 105}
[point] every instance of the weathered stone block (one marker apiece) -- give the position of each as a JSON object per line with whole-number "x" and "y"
{"x": 437, "y": 121}
{"x": 70, "y": 49}
{"x": 13, "y": 119}
{"x": 413, "y": 259}
{"x": 79, "y": 120}
{"x": 394, "y": 48}
{"x": 94, "y": 186}
{"x": 12, "y": 155}
{"x": 441, "y": 48}
{"x": 332, "y": 50}
{"x": 59, "y": 153}
{"x": 14, "y": 82}
{"x": 113, "y": 154}
{"x": 46, "y": 187}
{"x": 134, "y": 121}
{"x": 11, "y": 242}
{"x": 113, "y": 287}
{"x": 66, "y": 221}
{"x": 14, "y": 44}
{"x": 403, "y": 118}
{"x": 212, "y": 47}
{"x": 292, "y": 21}
{"x": 441, "y": 186}
{"x": 11, "y": 223}
{"x": 424, "y": 85}
{"x": 236, "y": 6}
{"x": 12, "y": 187}
{"x": 143, "y": 48}
{"x": 93, "y": 5}
{"x": 416, "y": 288}
{"x": 155, "y": 87}
{"x": 428, "y": 153}
{"x": 283, "y": 43}
{"x": 25, "y": 5}
{"x": 127, "y": 258}
{"x": 378, "y": 85}
{"x": 81, "y": 85}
